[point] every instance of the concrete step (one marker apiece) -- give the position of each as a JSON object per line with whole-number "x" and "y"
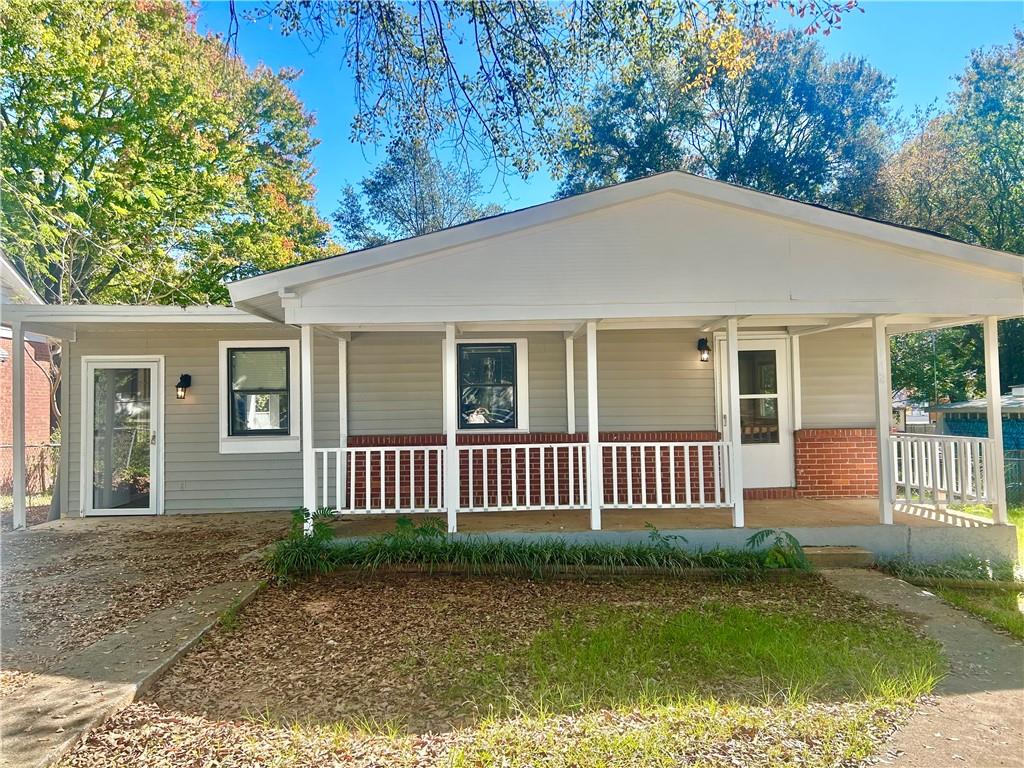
{"x": 839, "y": 557}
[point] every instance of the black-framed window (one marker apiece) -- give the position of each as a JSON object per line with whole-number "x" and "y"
{"x": 487, "y": 386}
{"x": 258, "y": 391}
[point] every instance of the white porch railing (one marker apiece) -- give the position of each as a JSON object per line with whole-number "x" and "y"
{"x": 680, "y": 475}
{"x": 523, "y": 476}
{"x": 519, "y": 477}
{"x": 397, "y": 480}
{"x": 942, "y": 469}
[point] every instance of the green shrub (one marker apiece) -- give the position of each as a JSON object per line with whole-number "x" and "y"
{"x": 426, "y": 546}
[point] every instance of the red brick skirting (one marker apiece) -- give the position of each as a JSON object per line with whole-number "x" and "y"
{"x": 830, "y": 464}
{"x": 836, "y": 463}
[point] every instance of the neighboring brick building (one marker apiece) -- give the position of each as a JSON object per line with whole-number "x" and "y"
{"x": 38, "y": 425}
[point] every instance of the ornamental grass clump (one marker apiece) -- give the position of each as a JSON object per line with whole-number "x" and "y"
{"x": 428, "y": 547}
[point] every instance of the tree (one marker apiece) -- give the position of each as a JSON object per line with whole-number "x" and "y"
{"x": 140, "y": 162}
{"x": 793, "y": 124}
{"x": 411, "y": 193}
{"x": 497, "y": 75}
{"x": 963, "y": 176}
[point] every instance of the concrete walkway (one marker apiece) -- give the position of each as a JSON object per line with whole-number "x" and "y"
{"x": 46, "y": 718}
{"x": 978, "y": 717}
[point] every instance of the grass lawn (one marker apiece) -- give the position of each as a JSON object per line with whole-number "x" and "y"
{"x": 1004, "y": 609}
{"x": 412, "y": 670}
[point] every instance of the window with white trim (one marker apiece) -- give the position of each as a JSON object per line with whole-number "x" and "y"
{"x": 259, "y": 396}
{"x": 492, "y": 385}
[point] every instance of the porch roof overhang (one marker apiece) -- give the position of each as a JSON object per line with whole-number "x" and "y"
{"x": 668, "y": 246}
{"x": 62, "y": 321}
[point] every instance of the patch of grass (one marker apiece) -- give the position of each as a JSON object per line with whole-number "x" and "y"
{"x": 229, "y": 619}
{"x": 617, "y": 658}
{"x": 1004, "y": 609}
{"x": 429, "y": 548}
{"x": 965, "y": 568}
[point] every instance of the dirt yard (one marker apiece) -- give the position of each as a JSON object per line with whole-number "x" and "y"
{"x": 68, "y": 583}
{"x": 418, "y": 670}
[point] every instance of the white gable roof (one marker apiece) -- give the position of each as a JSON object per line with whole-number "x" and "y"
{"x": 670, "y": 244}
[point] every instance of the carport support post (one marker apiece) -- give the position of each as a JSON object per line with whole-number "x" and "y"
{"x": 18, "y": 421}
{"x": 452, "y": 479}
{"x": 595, "y": 469}
{"x": 308, "y": 457}
{"x": 993, "y": 392}
{"x": 883, "y": 415}
{"x": 732, "y": 348}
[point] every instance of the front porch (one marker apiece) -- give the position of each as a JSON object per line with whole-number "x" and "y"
{"x": 761, "y": 513}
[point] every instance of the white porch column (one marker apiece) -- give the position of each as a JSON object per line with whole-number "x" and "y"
{"x": 883, "y": 417}
{"x": 308, "y": 457}
{"x": 993, "y": 390}
{"x": 733, "y": 410}
{"x": 595, "y": 469}
{"x": 342, "y": 420}
{"x": 18, "y": 420}
{"x": 452, "y": 479}
{"x": 570, "y": 384}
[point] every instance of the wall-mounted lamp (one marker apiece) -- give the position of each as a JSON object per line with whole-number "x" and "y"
{"x": 184, "y": 382}
{"x": 704, "y": 349}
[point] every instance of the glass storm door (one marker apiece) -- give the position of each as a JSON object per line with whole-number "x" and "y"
{"x": 122, "y": 449}
{"x": 766, "y": 429}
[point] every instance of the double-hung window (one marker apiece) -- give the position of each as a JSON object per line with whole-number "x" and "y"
{"x": 259, "y": 396}
{"x": 492, "y": 385}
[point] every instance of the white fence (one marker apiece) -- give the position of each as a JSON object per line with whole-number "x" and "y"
{"x": 523, "y": 476}
{"x": 397, "y": 480}
{"x": 678, "y": 475}
{"x": 942, "y": 469}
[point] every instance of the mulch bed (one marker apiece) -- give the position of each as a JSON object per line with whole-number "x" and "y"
{"x": 351, "y": 647}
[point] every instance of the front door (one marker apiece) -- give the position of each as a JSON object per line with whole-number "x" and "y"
{"x": 122, "y": 461}
{"x": 766, "y": 427}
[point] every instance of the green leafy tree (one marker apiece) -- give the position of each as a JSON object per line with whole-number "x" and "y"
{"x": 496, "y": 76}
{"x": 141, "y": 163}
{"x": 411, "y": 193}
{"x": 963, "y": 176}
{"x": 793, "y": 124}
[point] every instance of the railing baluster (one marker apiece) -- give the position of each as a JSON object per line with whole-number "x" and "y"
{"x": 672, "y": 473}
{"x": 686, "y": 472}
{"x": 700, "y": 472}
{"x": 714, "y": 459}
{"x": 657, "y": 473}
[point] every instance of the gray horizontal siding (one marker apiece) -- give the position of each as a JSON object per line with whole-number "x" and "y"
{"x": 648, "y": 380}
{"x": 197, "y": 477}
{"x": 837, "y": 379}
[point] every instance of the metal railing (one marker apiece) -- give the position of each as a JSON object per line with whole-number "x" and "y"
{"x": 942, "y": 469}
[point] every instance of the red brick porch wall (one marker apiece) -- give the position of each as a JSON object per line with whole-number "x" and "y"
{"x": 836, "y": 463}
{"x": 37, "y": 394}
{"x": 830, "y": 464}
{"x": 644, "y": 472}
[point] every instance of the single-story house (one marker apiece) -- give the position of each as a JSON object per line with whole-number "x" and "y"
{"x": 667, "y": 343}
{"x": 970, "y": 418}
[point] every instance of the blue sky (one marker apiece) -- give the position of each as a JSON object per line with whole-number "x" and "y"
{"x": 922, "y": 44}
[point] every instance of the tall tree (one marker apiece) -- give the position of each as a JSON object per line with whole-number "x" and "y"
{"x": 140, "y": 162}
{"x": 963, "y": 176}
{"x": 793, "y": 124}
{"x": 495, "y": 76}
{"x": 411, "y": 193}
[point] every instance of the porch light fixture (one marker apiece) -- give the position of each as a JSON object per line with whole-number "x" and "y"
{"x": 184, "y": 382}
{"x": 704, "y": 349}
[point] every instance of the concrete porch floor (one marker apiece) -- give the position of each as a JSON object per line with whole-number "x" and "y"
{"x": 775, "y": 513}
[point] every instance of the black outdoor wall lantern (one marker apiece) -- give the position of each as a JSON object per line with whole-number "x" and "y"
{"x": 184, "y": 382}
{"x": 704, "y": 349}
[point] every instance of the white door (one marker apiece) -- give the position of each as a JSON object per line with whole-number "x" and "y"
{"x": 766, "y": 426}
{"x": 121, "y": 456}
